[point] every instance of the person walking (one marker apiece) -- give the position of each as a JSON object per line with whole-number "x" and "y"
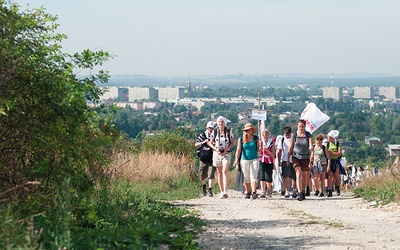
{"x": 247, "y": 148}
{"x": 267, "y": 159}
{"x": 335, "y": 153}
{"x": 206, "y": 169}
{"x": 221, "y": 141}
{"x": 285, "y": 162}
{"x": 277, "y": 181}
{"x": 320, "y": 164}
{"x": 302, "y": 154}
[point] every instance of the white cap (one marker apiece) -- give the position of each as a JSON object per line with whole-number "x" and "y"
{"x": 210, "y": 124}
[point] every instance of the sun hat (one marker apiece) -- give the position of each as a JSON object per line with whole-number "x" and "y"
{"x": 225, "y": 120}
{"x": 334, "y": 134}
{"x": 248, "y": 126}
{"x": 210, "y": 124}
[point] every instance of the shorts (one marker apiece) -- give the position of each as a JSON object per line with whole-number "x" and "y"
{"x": 335, "y": 164}
{"x": 318, "y": 168}
{"x": 219, "y": 159}
{"x": 207, "y": 171}
{"x": 266, "y": 171}
{"x": 302, "y": 163}
{"x": 286, "y": 170}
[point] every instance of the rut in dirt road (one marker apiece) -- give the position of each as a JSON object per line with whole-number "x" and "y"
{"x": 339, "y": 222}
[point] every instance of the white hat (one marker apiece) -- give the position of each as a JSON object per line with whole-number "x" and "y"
{"x": 334, "y": 134}
{"x": 210, "y": 124}
{"x": 225, "y": 120}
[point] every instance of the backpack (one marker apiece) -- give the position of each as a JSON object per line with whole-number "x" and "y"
{"x": 205, "y": 153}
{"x": 226, "y": 131}
{"x": 323, "y": 149}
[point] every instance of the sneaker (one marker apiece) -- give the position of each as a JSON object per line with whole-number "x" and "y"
{"x": 225, "y": 195}
{"x": 303, "y": 195}
{"x": 307, "y": 191}
{"x": 221, "y": 195}
{"x": 203, "y": 192}
{"x": 321, "y": 194}
{"x": 329, "y": 193}
{"x": 338, "y": 190}
{"x": 299, "y": 197}
{"x": 210, "y": 193}
{"x": 294, "y": 194}
{"x": 316, "y": 193}
{"x": 247, "y": 196}
{"x": 287, "y": 194}
{"x": 283, "y": 193}
{"x": 263, "y": 195}
{"x": 254, "y": 196}
{"x": 269, "y": 194}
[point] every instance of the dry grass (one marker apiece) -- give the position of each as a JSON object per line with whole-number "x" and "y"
{"x": 150, "y": 167}
{"x": 384, "y": 187}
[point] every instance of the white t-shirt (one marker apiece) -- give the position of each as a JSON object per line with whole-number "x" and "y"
{"x": 285, "y": 147}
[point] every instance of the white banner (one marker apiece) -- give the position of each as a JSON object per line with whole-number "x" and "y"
{"x": 314, "y": 117}
{"x": 259, "y": 114}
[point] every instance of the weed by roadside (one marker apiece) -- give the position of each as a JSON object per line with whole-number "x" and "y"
{"x": 383, "y": 188}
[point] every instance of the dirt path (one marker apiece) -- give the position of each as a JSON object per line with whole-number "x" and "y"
{"x": 340, "y": 222}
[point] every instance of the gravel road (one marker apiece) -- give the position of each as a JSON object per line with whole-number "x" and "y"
{"x": 339, "y": 222}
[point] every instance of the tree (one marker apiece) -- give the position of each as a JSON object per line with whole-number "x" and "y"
{"x": 49, "y": 134}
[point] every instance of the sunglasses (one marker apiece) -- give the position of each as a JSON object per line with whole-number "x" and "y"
{"x": 320, "y": 139}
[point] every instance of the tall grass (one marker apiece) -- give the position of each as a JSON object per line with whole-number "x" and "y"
{"x": 383, "y": 188}
{"x": 159, "y": 176}
{"x": 127, "y": 213}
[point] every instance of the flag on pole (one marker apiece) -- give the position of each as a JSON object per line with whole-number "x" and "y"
{"x": 314, "y": 117}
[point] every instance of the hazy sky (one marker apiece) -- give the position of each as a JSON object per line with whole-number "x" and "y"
{"x": 207, "y": 37}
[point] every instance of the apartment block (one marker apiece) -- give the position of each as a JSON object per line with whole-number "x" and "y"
{"x": 137, "y": 93}
{"x": 115, "y": 93}
{"x": 363, "y": 93}
{"x": 336, "y": 93}
{"x": 389, "y": 92}
{"x": 170, "y": 93}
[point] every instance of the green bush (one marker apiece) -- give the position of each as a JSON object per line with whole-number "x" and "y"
{"x": 169, "y": 142}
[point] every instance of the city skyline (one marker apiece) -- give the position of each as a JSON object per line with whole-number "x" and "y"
{"x": 178, "y": 38}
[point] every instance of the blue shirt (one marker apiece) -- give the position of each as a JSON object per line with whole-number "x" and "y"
{"x": 249, "y": 150}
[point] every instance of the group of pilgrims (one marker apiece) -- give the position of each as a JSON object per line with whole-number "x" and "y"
{"x": 304, "y": 165}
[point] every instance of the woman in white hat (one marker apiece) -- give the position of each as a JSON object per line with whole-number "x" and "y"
{"x": 221, "y": 141}
{"x": 335, "y": 153}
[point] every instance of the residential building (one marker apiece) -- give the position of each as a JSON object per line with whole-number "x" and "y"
{"x": 336, "y": 93}
{"x": 390, "y": 92}
{"x": 394, "y": 149}
{"x": 363, "y": 93}
{"x": 115, "y": 93}
{"x": 139, "y": 94}
{"x": 372, "y": 140}
{"x": 170, "y": 93}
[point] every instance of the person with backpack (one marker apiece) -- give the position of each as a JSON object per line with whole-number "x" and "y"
{"x": 247, "y": 148}
{"x": 302, "y": 153}
{"x": 221, "y": 141}
{"x": 335, "y": 153}
{"x": 320, "y": 164}
{"x": 205, "y": 153}
{"x": 267, "y": 159}
{"x": 285, "y": 162}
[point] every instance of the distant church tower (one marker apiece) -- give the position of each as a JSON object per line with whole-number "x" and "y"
{"x": 332, "y": 79}
{"x": 189, "y": 85}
